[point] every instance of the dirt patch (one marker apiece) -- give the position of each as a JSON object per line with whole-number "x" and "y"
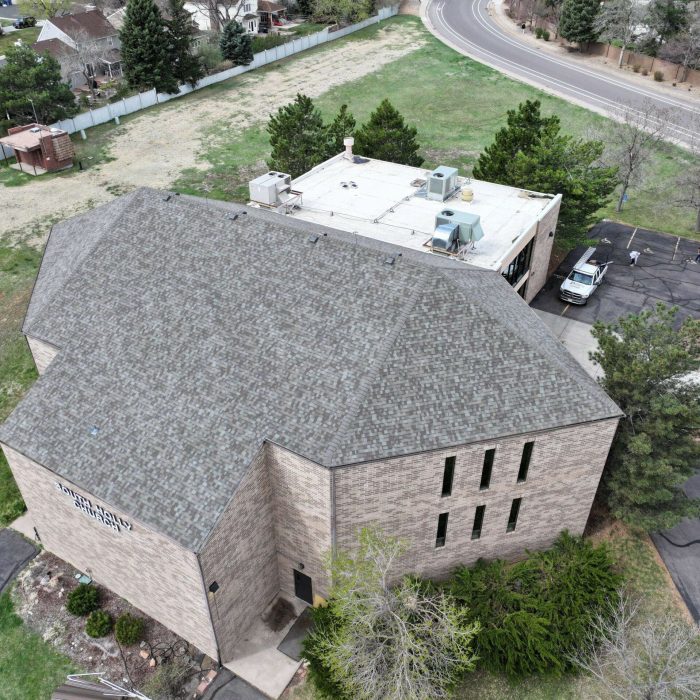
{"x": 39, "y": 598}
{"x": 154, "y": 148}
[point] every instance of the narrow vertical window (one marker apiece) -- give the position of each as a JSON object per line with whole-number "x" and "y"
{"x": 478, "y": 522}
{"x": 442, "y": 530}
{"x": 448, "y": 476}
{"x": 513, "y": 517}
{"x": 525, "y": 461}
{"x": 487, "y": 469}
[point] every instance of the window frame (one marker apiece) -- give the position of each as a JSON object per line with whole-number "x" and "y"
{"x": 490, "y": 457}
{"x": 441, "y": 539}
{"x": 514, "y": 515}
{"x": 448, "y": 476}
{"x": 525, "y": 461}
{"x": 479, "y": 515}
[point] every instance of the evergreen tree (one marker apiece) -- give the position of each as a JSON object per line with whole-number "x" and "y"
{"x": 523, "y": 130}
{"x": 577, "y": 21}
{"x": 27, "y": 76}
{"x": 667, "y": 18}
{"x": 386, "y": 137}
{"x": 187, "y": 67}
{"x": 530, "y": 152}
{"x": 236, "y": 44}
{"x": 145, "y": 53}
{"x": 343, "y": 125}
{"x": 297, "y": 137}
{"x": 646, "y": 362}
{"x": 304, "y": 7}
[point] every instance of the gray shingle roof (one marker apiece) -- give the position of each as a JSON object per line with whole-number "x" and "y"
{"x": 190, "y": 338}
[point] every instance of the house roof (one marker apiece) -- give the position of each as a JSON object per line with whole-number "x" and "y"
{"x": 54, "y": 47}
{"x": 116, "y": 19}
{"x": 93, "y": 23}
{"x": 190, "y": 332}
{"x": 28, "y": 137}
{"x": 266, "y": 6}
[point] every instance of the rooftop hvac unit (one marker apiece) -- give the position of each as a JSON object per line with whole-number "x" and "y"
{"x": 466, "y": 228}
{"x": 267, "y": 188}
{"x": 442, "y": 182}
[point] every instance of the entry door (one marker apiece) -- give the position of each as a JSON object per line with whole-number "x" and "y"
{"x": 302, "y": 587}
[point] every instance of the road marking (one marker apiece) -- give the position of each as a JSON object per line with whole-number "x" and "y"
{"x": 631, "y": 237}
{"x": 566, "y": 308}
{"x": 675, "y": 250}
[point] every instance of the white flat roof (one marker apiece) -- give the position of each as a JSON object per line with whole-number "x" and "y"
{"x": 379, "y": 201}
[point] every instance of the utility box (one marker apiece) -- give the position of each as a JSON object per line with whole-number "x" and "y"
{"x": 266, "y": 189}
{"x": 442, "y": 183}
{"x": 469, "y": 224}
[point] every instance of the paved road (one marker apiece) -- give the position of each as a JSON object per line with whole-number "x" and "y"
{"x": 15, "y": 553}
{"x": 468, "y": 27}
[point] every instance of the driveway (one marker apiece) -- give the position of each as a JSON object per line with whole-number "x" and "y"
{"x": 666, "y": 271}
{"x": 468, "y": 26}
{"x": 15, "y": 553}
{"x": 680, "y": 550}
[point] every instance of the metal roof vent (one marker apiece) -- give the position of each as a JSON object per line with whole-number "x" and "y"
{"x": 391, "y": 259}
{"x": 94, "y": 430}
{"x": 312, "y": 238}
{"x": 442, "y": 183}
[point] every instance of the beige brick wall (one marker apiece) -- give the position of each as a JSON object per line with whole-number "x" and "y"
{"x": 404, "y": 496}
{"x": 542, "y": 250}
{"x": 240, "y": 556}
{"x": 302, "y": 502}
{"x": 152, "y": 572}
{"x": 42, "y": 352}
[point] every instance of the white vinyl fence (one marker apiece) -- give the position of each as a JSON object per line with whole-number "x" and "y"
{"x": 129, "y": 105}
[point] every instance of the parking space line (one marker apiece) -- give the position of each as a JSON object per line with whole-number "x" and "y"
{"x": 631, "y": 237}
{"x": 566, "y": 308}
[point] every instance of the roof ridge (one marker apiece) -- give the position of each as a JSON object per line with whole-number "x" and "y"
{"x": 580, "y": 376}
{"x": 367, "y": 380}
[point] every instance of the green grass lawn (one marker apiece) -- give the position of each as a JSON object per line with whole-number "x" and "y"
{"x": 28, "y": 36}
{"x": 457, "y": 106}
{"x": 29, "y": 668}
{"x": 307, "y": 28}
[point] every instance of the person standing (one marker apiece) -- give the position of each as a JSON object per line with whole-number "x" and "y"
{"x": 634, "y": 255}
{"x": 697, "y": 257}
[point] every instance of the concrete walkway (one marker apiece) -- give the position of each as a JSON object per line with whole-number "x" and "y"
{"x": 226, "y": 686}
{"x": 15, "y": 553}
{"x": 576, "y": 337}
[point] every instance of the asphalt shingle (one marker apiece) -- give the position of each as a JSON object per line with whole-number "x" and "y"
{"x": 189, "y": 338}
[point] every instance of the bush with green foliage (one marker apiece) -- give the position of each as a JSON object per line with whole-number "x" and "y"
{"x": 235, "y": 44}
{"x": 83, "y": 599}
{"x": 386, "y": 137}
{"x": 99, "y": 624}
{"x": 534, "y": 613}
{"x": 659, "y": 76}
{"x": 262, "y": 42}
{"x": 210, "y": 55}
{"x": 538, "y": 32}
{"x": 129, "y": 629}
{"x": 545, "y": 34}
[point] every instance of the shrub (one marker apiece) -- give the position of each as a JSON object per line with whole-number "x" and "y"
{"x": 210, "y": 55}
{"x": 536, "y": 612}
{"x": 538, "y": 32}
{"x": 636, "y": 68}
{"x": 545, "y": 34}
{"x": 129, "y": 629}
{"x": 645, "y": 71}
{"x": 268, "y": 41}
{"x": 99, "y": 624}
{"x": 83, "y": 600}
{"x": 658, "y": 76}
{"x": 168, "y": 679}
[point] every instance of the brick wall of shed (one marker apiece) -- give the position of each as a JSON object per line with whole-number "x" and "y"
{"x": 42, "y": 353}
{"x": 240, "y": 556}
{"x": 152, "y": 572}
{"x": 542, "y": 251}
{"x": 302, "y": 498}
{"x": 403, "y": 495}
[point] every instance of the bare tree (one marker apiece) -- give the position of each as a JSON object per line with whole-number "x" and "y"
{"x": 399, "y": 641}
{"x": 619, "y": 20}
{"x": 684, "y": 49}
{"x": 631, "y": 137}
{"x": 220, "y": 12}
{"x": 656, "y": 658}
{"x": 688, "y": 181}
{"x": 86, "y": 57}
{"x": 45, "y": 9}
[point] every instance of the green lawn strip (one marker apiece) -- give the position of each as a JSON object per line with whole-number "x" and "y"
{"x": 29, "y": 668}
{"x": 307, "y": 28}
{"x": 28, "y": 36}
{"x": 457, "y": 105}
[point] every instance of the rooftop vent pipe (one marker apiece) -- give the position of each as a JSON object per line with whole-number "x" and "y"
{"x": 348, "y": 142}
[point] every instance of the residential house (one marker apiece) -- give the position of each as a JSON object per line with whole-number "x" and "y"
{"x": 39, "y": 149}
{"x": 82, "y": 43}
{"x": 210, "y": 16}
{"x": 227, "y": 394}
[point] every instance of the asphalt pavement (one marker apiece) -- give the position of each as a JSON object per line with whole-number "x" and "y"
{"x": 467, "y": 26}
{"x": 15, "y": 553}
{"x": 665, "y": 271}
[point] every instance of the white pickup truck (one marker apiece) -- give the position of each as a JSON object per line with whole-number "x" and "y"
{"x": 583, "y": 280}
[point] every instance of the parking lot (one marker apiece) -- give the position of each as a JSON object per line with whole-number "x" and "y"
{"x": 666, "y": 271}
